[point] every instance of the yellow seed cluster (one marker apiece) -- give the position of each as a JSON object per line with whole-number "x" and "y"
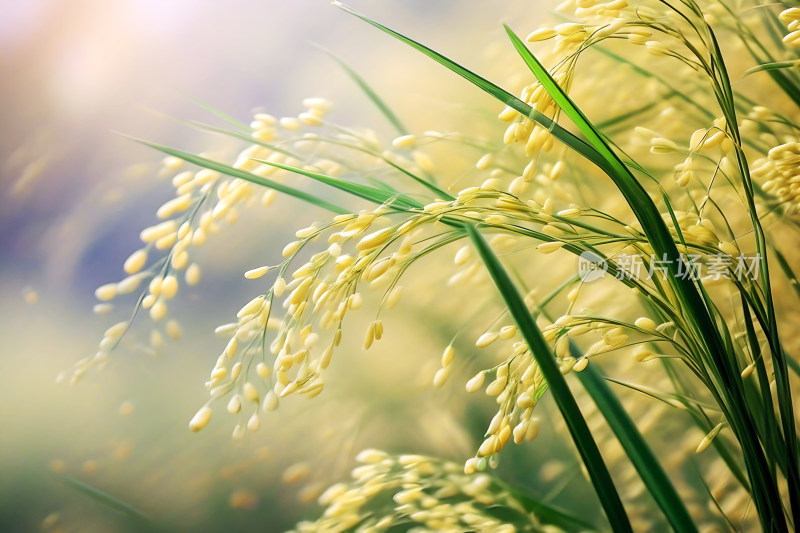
{"x": 204, "y": 200}
{"x": 372, "y": 248}
{"x": 417, "y": 491}
{"x": 791, "y": 19}
{"x": 316, "y": 297}
{"x": 518, "y": 383}
{"x": 779, "y": 176}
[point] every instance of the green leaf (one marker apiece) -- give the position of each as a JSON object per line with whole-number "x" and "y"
{"x": 369, "y": 92}
{"x": 775, "y": 65}
{"x": 547, "y": 513}
{"x": 500, "y": 94}
{"x": 221, "y": 115}
{"x": 637, "y": 449}
{"x": 106, "y": 499}
{"x": 440, "y": 193}
{"x": 373, "y": 194}
{"x": 252, "y": 178}
{"x": 787, "y": 271}
{"x": 581, "y": 436}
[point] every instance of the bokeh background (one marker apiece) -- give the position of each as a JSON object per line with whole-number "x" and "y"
{"x": 75, "y": 193}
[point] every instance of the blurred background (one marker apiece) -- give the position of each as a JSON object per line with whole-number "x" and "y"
{"x": 113, "y": 453}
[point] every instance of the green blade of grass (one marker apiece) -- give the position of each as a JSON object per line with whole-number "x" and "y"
{"x": 373, "y": 194}
{"x": 500, "y": 94}
{"x": 765, "y": 405}
{"x": 547, "y": 513}
{"x": 106, "y": 499}
{"x": 648, "y": 74}
{"x": 637, "y": 449}
{"x": 369, "y": 92}
{"x": 697, "y": 415}
{"x": 619, "y": 119}
{"x": 770, "y": 66}
{"x": 581, "y": 436}
{"x": 439, "y": 192}
{"x": 710, "y": 494}
{"x": 220, "y": 114}
{"x": 244, "y": 136}
{"x": 787, "y": 271}
{"x": 252, "y": 178}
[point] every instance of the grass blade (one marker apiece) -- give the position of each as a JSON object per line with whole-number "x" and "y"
{"x": 560, "y": 133}
{"x": 547, "y": 513}
{"x": 373, "y": 194}
{"x": 220, "y": 114}
{"x": 106, "y": 499}
{"x": 439, "y": 192}
{"x": 770, "y": 66}
{"x": 369, "y": 92}
{"x": 637, "y": 449}
{"x": 787, "y": 271}
{"x": 252, "y": 178}
{"x": 581, "y": 436}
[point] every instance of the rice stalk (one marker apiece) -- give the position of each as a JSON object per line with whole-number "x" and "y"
{"x": 715, "y": 181}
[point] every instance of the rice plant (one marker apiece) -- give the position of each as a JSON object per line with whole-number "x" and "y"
{"x": 632, "y": 235}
